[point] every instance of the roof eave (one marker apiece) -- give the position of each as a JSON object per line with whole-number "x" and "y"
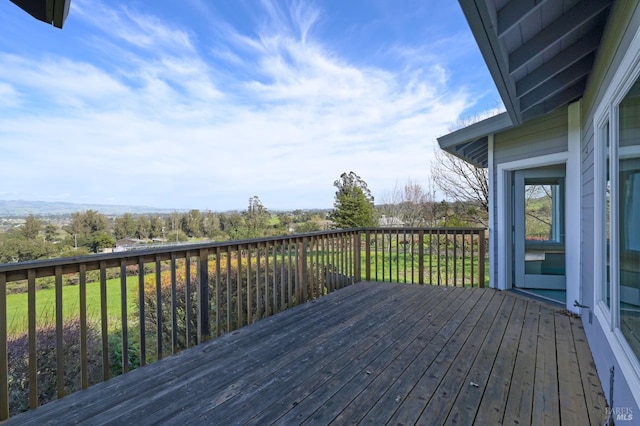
{"x": 479, "y": 19}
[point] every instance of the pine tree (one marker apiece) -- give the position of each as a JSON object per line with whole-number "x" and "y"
{"x": 353, "y": 205}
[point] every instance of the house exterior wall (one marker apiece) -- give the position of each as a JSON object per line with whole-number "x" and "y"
{"x": 541, "y": 136}
{"x": 624, "y": 22}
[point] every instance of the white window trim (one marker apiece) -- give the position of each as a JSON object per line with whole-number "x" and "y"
{"x": 625, "y": 76}
{"x": 503, "y": 237}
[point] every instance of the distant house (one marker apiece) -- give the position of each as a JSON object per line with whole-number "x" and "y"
{"x": 391, "y": 221}
{"x": 126, "y": 244}
{"x": 569, "y": 76}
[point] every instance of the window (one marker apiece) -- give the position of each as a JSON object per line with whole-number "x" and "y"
{"x": 628, "y": 211}
{"x": 618, "y": 204}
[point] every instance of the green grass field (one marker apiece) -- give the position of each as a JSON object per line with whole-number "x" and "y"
{"x": 17, "y": 322}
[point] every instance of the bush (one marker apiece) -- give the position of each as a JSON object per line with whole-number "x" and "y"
{"x": 18, "y": 349}
{"x": 191, "y": 317}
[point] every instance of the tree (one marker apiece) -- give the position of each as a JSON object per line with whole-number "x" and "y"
{"x": 101, "y": 240}
{"x": 353, "y": 204}
{"x": 192, "y": 223}
{"x": 256, "y": 218}
{"x": 31, "y": 227}
{"x": 125, "y": 226}
{"x": 50, "y": 233}
{"x": 143, "y": 230}
{"x": 411, "y": 203}
{"x": 460, "y": 180}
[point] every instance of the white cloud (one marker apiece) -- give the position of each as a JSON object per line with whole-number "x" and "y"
{"x": 136, "y": 28}
{"x": 171, "y": 130}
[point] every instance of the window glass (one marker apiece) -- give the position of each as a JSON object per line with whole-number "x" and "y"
{"x": 543, "y": 216}
{"x": 629, "y": 217}
{"x": 606, "y": 282}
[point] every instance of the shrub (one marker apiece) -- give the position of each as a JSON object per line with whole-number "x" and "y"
{"x": 18, "y": 350}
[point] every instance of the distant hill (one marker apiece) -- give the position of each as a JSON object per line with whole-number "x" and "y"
{"x": 13, "y": 208}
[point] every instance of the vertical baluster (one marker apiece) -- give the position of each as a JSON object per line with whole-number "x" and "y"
{"x": 249, "y": 292}
{"x": 274, "y": 278}
{"x": 464, "y": 268}
{"x": 404, "y": 251}
{"x": 334, "y": 268}
{"x": 258, "y": 278}
{"x": 33, "y": 361}
{"x": 455, "y": 270}
{"x": 289, "y": 275}
{"x": 188, "y": 306}
{"x": 376, "y": 252}
{"x": 159, "y": 333}
{"x": 239, "y": 298}
{"x": 312, "y": 269}
{"x": 4, "y": 353}
{"x": 397, "y": 235}
{"x": 204, "y": 330}
{"x": 386, "y": 274}
{"x": 481, "y": 258}
{"x": 141, "y": 309}
{"x": 421, "y": 256}
{"x": 267, "y": 294}
{"x": 229, "y": 298}
{"x": 174, "y": 304}
{"x": 59, "y": 334}
{"x": 218, "y": 294}
{"x": 103, "y": 320}
{"x": 472, "y": 261}
{"x": 446, "y": 256}
{"x": 431, "y": 257}
{"x": 358, "y": 256}
{"x": 367, "y": 255}
{"x": 282, "y": 284}
{"x": 123, "y": 316}
{"x": 84, "y": 366}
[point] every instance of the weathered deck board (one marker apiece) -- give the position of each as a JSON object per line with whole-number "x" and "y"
{"x": 370, "y": 353}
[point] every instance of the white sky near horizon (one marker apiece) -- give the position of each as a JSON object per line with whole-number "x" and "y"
{"x": 203, "y": 104}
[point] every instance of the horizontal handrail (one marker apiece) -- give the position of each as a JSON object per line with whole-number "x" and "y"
{"x": 128, "y": 308}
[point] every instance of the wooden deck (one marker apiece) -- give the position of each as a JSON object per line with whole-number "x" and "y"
{"x": 370, "y": 353}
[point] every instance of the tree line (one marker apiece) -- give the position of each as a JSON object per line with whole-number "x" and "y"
{"x": 410, "y": 204}
{"x": 90, "y": 231}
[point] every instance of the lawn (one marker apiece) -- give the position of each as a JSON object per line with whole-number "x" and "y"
{"x": 17, "y": 322}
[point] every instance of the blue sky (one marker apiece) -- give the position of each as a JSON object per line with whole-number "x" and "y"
{"x": 205, "y": 103}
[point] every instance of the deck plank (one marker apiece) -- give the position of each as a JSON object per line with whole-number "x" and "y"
{"x": 465, "y": 406}
{"x": 452, "y": 339}
{"x": 520, "y": 400}
{"x": 240, "y": 373}
{"x": 381, "y": 384}
{"x": 369, "y": 353}
{"x": 492, "y": 404}
{"x": 443, "y": 329}
{"x": 570, "y": 390}
{"x": 353, "y": 361}
{"x": 289, "y": 386}
{"x": 546, "y": 405}
{"x": 437, "y": 409}
{"x": 590, "y": 381}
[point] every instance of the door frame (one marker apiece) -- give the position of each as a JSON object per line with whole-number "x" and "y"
{"x": 573, "y": 210}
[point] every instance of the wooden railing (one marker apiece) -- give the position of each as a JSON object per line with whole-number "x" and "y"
{"x": 109, "y": 313}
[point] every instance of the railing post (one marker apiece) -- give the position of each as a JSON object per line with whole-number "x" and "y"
{"x": 4, "y": 355}
{"x": 481, "y": 256}
{"x": 203, "y": 297}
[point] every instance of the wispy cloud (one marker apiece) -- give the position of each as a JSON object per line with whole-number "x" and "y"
{"x": 275, "y": 112}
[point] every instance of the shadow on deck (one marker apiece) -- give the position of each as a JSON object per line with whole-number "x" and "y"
{"x": 371, "y": 353}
